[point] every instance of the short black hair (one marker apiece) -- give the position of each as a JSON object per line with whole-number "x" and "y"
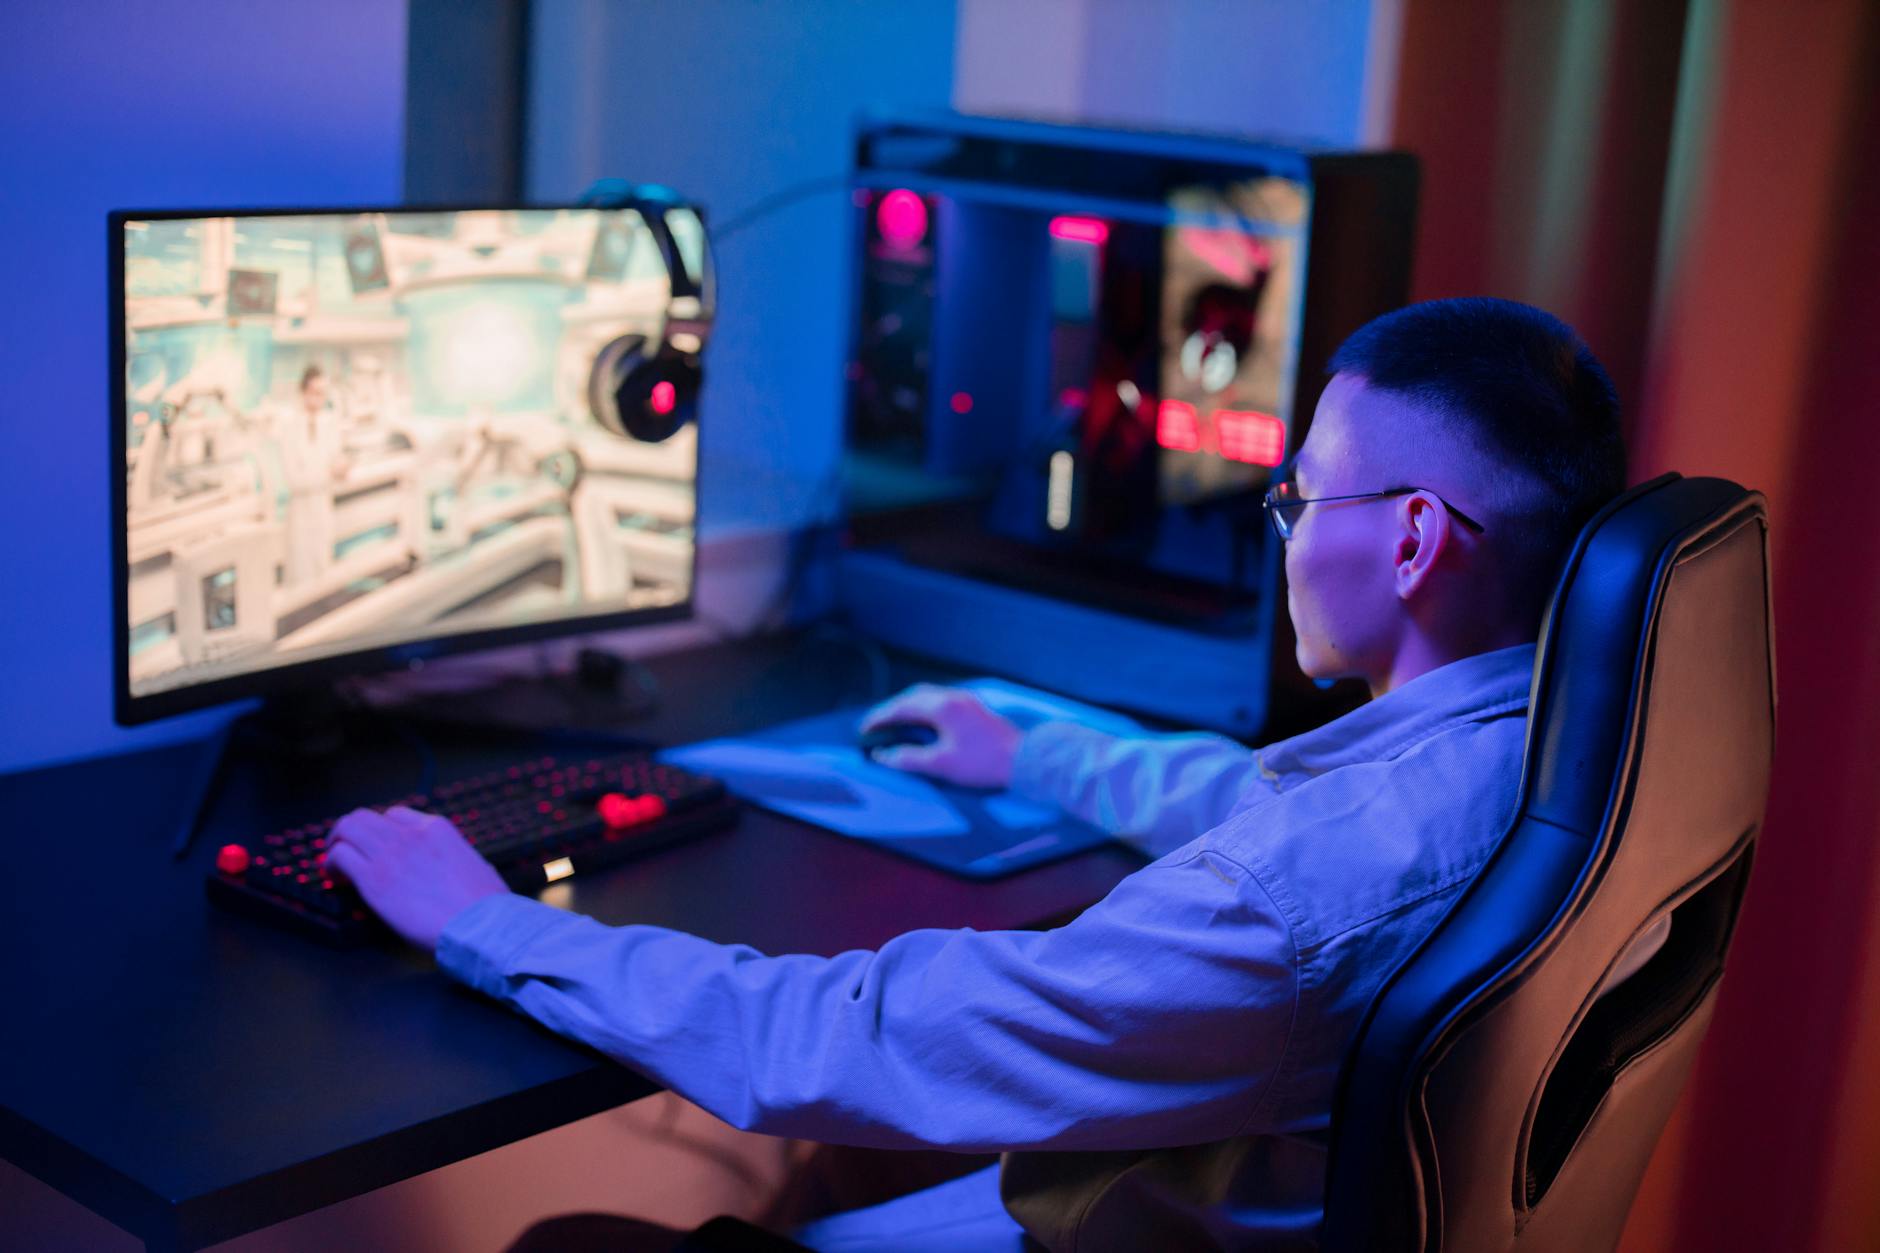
{"x": 1520, "y": 382}
{"x": 312, "y": 372}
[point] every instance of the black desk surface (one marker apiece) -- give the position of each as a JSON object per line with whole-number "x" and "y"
{"x": 192, "y": 1075}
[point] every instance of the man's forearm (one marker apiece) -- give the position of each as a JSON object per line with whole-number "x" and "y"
{"x": 1101, "y": 1033}
{"x": 1157, "y": 792}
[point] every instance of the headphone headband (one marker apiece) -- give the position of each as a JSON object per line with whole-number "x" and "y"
{"x": 655, "y": 203}
{"x": 648, "y": 391}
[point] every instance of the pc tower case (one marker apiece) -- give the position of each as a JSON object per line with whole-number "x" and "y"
{"x": 1079, "y": 356}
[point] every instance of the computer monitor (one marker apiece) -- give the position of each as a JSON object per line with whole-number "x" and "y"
{"x": 347, "y": 440}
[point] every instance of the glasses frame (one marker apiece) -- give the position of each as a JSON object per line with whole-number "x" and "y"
{"x": 1284, "y": 524}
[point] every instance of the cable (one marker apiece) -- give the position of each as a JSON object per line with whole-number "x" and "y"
{"x": 767, "y": 205}
{"x": 607, "y": 192}
{"x": 775, "y": 608}
{"x": 800, "y": 557}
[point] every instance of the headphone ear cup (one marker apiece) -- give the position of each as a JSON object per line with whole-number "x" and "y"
{"x": 650, "y": 402}
{"x": 686, "y": 375}
{"x": 645, "y": 397}
{"x": 612, "y": 364}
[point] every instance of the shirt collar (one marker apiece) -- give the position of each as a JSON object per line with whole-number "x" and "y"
{"x": 1473, "y": 689}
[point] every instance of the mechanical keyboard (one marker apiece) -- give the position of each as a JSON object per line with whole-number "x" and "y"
{"x": 537, "y": 822}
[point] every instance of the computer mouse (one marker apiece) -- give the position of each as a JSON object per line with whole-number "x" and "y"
{"x": 895, "y": 735}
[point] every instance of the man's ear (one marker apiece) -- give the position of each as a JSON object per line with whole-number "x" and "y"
{"x": 1422, "y": 534}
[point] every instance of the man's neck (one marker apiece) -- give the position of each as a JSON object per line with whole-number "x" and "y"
{"x": 1420, "y": 655}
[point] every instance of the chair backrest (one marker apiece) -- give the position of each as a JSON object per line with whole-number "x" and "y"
{"x": 1492, "y": 1100}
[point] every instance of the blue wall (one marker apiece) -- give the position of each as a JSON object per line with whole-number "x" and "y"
{"x": 139, "y": 104}
{"x": 1272, "y": 68}
{"x": 1281, "y": 69}
{"x": 730, "y": 101}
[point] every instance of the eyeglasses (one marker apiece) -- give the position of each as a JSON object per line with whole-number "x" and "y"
{"x": 1283, "y": 506}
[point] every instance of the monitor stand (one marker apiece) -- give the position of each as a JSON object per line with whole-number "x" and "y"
{"x": 604, "y": 692}
{"x": 311, "y": 727}
{"x": 306, "y": 725}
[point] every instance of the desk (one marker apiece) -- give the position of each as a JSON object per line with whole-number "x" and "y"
{"x": 191, "y": 1075}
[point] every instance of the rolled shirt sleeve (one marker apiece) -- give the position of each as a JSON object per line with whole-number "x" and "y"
{"x": 1158, "y": 1017}
{"x": 1156, "y": 792}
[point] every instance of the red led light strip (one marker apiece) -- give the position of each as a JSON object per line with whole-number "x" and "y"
{"x": 1080, "y": 230}
{"x": 1177, "y": 427}
{"x": 1244, "y": 435}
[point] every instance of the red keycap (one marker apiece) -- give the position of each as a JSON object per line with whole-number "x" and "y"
{"x": 619, "y": 811}
{"x": 231, "y": 859}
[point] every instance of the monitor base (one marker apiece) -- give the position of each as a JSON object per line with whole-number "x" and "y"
{"x": 307, "y": 724}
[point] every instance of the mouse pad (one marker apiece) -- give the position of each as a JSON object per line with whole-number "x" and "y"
{"x": 811, "y": 770}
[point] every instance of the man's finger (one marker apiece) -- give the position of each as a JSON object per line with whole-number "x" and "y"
{"x": 911, "y": 757}
{"x": 886, "y": 711}
{"x": 405, "y": 816}
{"x": 916, "y": 704}
{"x": 347, "y": 860}
{"x": 364, "y": 829}
{"x": 438, "y": 826}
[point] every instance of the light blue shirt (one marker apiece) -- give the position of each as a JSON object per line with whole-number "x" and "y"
{"x": 1160, "y": 1068}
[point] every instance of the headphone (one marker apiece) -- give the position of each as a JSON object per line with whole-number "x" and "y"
{"x": 647, "y": 389}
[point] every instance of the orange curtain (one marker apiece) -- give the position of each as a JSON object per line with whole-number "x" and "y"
{"x": 1695, "y": 185}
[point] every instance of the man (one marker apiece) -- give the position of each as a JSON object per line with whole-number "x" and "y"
{"x": 314, "y": 463}
{"x": 1159, "y": 1072}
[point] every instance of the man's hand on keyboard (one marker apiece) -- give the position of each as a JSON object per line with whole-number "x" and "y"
{"x": 975, "y": 748}
{"x": 415, "y": 869}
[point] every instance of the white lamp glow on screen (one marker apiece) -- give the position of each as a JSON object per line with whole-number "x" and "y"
{"x": 485, "y": 353}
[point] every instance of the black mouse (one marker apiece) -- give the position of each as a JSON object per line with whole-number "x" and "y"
{"x": 895, "y": 735}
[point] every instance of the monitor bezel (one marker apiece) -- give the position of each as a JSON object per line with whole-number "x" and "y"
{"x": 129, "y": 709}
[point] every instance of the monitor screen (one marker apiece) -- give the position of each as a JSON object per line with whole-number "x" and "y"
{"x": 347, "y": 438}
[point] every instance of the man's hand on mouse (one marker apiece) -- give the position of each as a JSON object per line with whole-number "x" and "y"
{"x": 975, "y": 746}
{"x": 415, "y": 869}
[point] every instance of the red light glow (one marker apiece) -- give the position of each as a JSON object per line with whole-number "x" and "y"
{"x": 1177, "y": 427}
{"x": 1080, "y": 230}
{"x": 664, "y": 399}
{"x": 1244, "y": 435}
{"x": 901, "y": 217}
{"x": 962, "y": 402}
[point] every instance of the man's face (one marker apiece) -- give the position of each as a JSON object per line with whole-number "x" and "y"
{"x": 1341, "y": 594}
{"x": 313, "y": 394}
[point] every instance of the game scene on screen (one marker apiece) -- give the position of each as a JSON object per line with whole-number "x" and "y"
{"x": 350, "y": 431}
